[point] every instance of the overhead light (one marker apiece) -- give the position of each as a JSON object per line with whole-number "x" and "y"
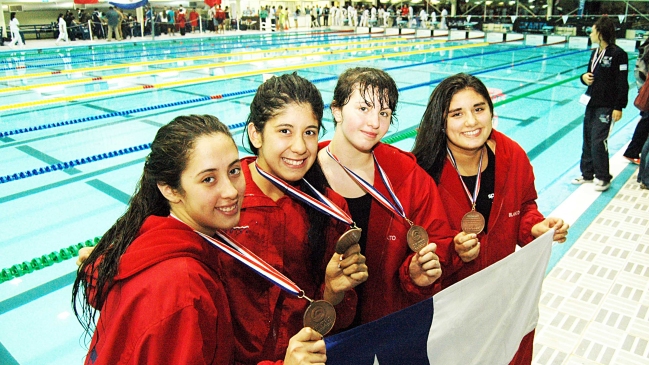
{"x": 489, "y": 2}
{"x": 512, "y": 2}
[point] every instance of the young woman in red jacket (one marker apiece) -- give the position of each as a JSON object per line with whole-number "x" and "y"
{"x": 151, "y": 275}
{"x": 485, "y": 180}
{"x": 367, "y": 172}
{"x": 283, "y": 127}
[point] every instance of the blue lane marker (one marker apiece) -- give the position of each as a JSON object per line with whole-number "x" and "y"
{"x": 35, "y": 293}
{"x": 586, "y": 218}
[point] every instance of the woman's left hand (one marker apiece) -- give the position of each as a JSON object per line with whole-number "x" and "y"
{"x": 560, "y": 228}
{"x": 425, "y": 267}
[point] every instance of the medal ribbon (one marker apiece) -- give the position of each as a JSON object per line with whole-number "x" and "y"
{"x": 248, "y": 258}
{"x": 397, "y": 208}
{"x": 473, "y": 199}
{"x": 597, "y": 59}
{"x": 322, "y": 204}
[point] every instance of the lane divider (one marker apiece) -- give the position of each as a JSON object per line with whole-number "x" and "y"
{"x": 125, "y": 112}
{"x": 184, "y": 59}
{"x": 220, "y": 96}
{"x": 209, "y": 65}
{"x": 171, "y": 84}
{"x": 39, "y": 263}
{"x": 72, "y": 163}
{"x": 234, "y": 45}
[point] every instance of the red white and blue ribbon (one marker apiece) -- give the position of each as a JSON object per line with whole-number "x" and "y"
{"x": 248, "y": 258}
{"x": 397, "y": 208}
{"x": 473, "y": 199}
{"x": 322, "y": 204}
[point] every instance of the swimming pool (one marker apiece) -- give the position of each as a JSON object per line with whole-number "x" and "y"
{"x": 75, "y": 124}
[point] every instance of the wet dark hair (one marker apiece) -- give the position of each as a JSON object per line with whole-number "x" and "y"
{"x": 170, "y": 152}
{"x": 368, "y": 81}
{"x": 430, "y": 144}
{"x": 272, "y": 97}
{"x": 606, "y": 28}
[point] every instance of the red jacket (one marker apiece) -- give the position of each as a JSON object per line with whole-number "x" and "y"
{"x": 193, "y": 18}
{"x": 389, "y": 288}
{"x": 167, "y": 304}
{"x": 513, "y": 214}
{"x": 264, "y": 316}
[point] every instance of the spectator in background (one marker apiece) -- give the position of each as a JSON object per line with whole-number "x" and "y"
{"x": 193, "y": 19}
{"x": 641, "y": 132}
{"x": 14, "y": 27}
{"x": 606, "y": 95}
{"x": 112, "y": 18}
{"x": 63, "y": 30}
{"x": 171, "y": 16}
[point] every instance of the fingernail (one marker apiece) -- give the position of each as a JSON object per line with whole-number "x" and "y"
{"x": 341, "y": 257}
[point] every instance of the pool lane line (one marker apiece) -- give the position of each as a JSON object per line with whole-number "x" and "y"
{"x": 182, "y": 59}
{"x": 251, "y": 91}
{"x": 30, "y": 295}
{"x": 133, "y": 47}
{"x": 81, "y": 177}
{"x": 45, "y": 158}
{"x": 129, "y": 75}
{"x": 69, "y": 165}
{"x": 5, "y": 356}
{"x": 89, "y": 58}
{"x": 110, "y": 190}
{"x": 230, "y": 76}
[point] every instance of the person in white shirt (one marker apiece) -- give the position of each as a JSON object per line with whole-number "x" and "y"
{"x": 63, "y": 30}
{"x": 381, "y": 14}
{"x": 444, "y": 14}
{"x": 423, "y": 18}
{"x": 365, "y": 14}
{"x": 14, "y": 27}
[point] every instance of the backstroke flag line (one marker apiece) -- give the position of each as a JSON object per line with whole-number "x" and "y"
{"x": 480, "y": 320}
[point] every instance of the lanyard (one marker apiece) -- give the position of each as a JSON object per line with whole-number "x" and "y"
{"x": 597, "y": 59}
{"x": 397, "y": 208}
{"x": 321, "y": 204}
{"x": 248, "y": 258}
{"x": 472, "y": 198}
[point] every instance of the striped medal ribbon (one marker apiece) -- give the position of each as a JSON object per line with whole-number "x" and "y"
{"x": 321, "y": 204}
{"x": 417, "y": 236}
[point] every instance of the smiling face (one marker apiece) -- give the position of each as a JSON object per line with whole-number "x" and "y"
{"x": 362, "y": 121}
{"x": 288, "y": 144}
{"x": 468, "y": 122}
{"x": 212, "y": 186}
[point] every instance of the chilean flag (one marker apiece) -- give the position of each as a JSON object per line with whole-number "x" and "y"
{"x": 211, "y": 3}
{"x": 86, "y": 1}
{"x": 128, "y": 4}
{"x": 479, "y": 320}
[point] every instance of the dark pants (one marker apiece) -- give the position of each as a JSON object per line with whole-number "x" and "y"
{"x": 643, "y": 171}
{"x": 639, "y": 137}
{"x": 594, "y": 153}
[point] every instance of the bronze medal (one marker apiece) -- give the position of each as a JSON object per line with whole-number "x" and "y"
{"x": 321, "y": 316}
{"x": 417, "y": 238}
{"x": 472, "y": 222}
{"x": 347, "y": 240}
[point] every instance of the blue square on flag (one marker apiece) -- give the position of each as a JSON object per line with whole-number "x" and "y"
{"x": 385, "y": 341}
